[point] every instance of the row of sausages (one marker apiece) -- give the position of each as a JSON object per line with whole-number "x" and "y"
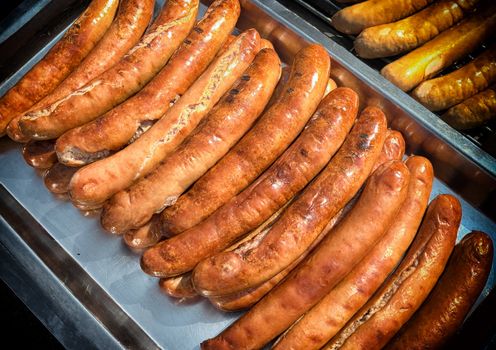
{"x": 246, "y": 183}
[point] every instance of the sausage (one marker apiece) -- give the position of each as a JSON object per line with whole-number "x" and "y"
{"x": 394, "y": 38}
{"x": 334, "y": 257}
{"x": 429, "y": 59}
{"x": 353, "y": 19}
{"x": 474, "y": 111}
{"x": 126, "y": 122}
{"x": 62, "y": 58}
{"x": 443, "y": 312}
{"x": 97, "y": 182}
{"x": 129, "y": 24}
{"x": 325, "y": 319}
{"x": 269, "y": 137}
{"x": 393, "y": 148}
{"x": 453, "y": 88}
{"x": 297, "y": 166}
{"x": 219, "y": 131}
{"x": 122, "y": 80}
{"x": 58, "y": 177}
{"x": 39, "y": 154}
{"x": 401, "y": 295}
{"x": 178, "y": 287}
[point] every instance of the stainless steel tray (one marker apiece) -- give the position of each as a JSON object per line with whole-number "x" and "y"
{"x": 87, "y": 287}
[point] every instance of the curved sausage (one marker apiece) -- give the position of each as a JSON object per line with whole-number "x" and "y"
{"x": 39, "y": 154}
{"x": 353, "y": 19}
{"x": 126, "y": 122}
{"x": 97, "y": 182}
{"x": 219, "y": 131}
{"x": 443, "y": 312}
{"x": 270, "y": 136}
{"x": 401, "y": 295}
{"x": 444, "y": 92}
{"x": 178, "y": 287}
{"x": 58, "y": 177}
{"x": 393, "y": 148}
{"x": 429, "y": 59}
{"x": 62, "y": 59}
{"x": 325, "y": 319}
{"x": 129, "y": 24}
{"x": 122, "y": 80}
{"x": 394, "y": 38}
{"x": 334, "y": 257}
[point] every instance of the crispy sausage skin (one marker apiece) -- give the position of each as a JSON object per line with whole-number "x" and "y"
{"x": 62, "y": 59}
{"x": 394, "y": 38}
{"x": 404, "y": 291}
{"x": 39, "y": 154}
{"x": 453, "y": 88}
{"x": 218, "y": 132}
{"x": 443, "y": 312}
{"x": 393, "y": 148}
{"x": 334, "y": 257}
{"x": 429, "y": 59}
{"x": 58, "y": 177}
{"x": 474, "y": 111}
{"x": 272, "y": 134}
{"x": 325, "y": 319}
{"x": 178, "y": 287}
{"x": 122, "y": 80}
{"x": 353, "y": 19}
{"x": 129, "y": 24}
{"x": 126, "y": 122}
{"x": 97, "y": 182}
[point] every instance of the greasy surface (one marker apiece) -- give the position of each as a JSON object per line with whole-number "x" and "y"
{"x": 212, "y": 139}
{"x": 123, "y": 79}
{"x": 441, "y": 93}
{"x": 393, "y": 148}
{"x": 449, "y": 302}
{"x": 429, "y": 59}
{"x": 474, "y": 111}
{"x": 272, "y": 134}
{"x": 297, "y": 166}
{"x": 64, "y": 57}
{"x": 353, "y": 19}
{"x": 394, "y": 38}
{"x": 96, "y": 182}
{"x": 119, "y": 126}
{"x": 129, "y": 24}
{"x": 403, "y": 293}
{"x": 336, "y": 255}
{"x": 142, "y": 237}
{"x": 39, "y": 154}
{"x": 58, "y": 177}
{"x": 178, "y": 287}
{"x": 326, "y": 318}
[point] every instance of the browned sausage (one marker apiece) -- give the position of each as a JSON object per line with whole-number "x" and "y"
{"x": 96, "y": 182}
{"x": 325, "y": 319}
{"x": 39, "y": 154}
{"x": 401, "y": 295}
{"x": 122, "y": 80}
{"x": 272, "y": 134}
{"x": 126, "y": 122}
{"x": 443, "y": 312}
{"x": 66, "y": 55}
{"x": 58, "y": 177}
{"x": 219, "y": 131}
{"x": 444, "y": 92}
{"x": 334, "y": 257}
{"x": 353, "y": 19}
{"x": 129, "y": 24}
{"x": 178, "y": 287}
{"x": 429, "y": 59}
{"x": 394, "y": 38}
{"x": 393, "y": 148}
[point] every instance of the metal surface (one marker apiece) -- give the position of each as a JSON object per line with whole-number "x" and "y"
{"x": 126, "y": 296}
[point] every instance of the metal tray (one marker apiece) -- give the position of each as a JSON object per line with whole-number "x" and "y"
{"x": 86, "y": 286}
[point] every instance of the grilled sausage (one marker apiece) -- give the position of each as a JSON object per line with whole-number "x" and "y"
{"x": 122, "y": 80}
{"x": 394, "y": 38}
{"x": 272, "y": 134}
{"x": 335, "y": 256}
{"x": 325, "y": 319}
{"x": 429, "y": 59}
{"x": 353, "y": 19}
{"x": 126, "y": 122}
{"x": 129, "y": 24}
{"x": 98, "y": 181}
{"x": 393, "y": 148}
{"x": 178, "y": 287}
{"x": 218, "y": 132}
{"x": 451, "y": 299}
{"x": 39, "y": 154}
{"x": 58, "y": 177}
{"x": 401, "y": 295}
{"x": 63, "y": 58}
{"x": 474, "y": 111}
{"x": 444, "y": 92}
